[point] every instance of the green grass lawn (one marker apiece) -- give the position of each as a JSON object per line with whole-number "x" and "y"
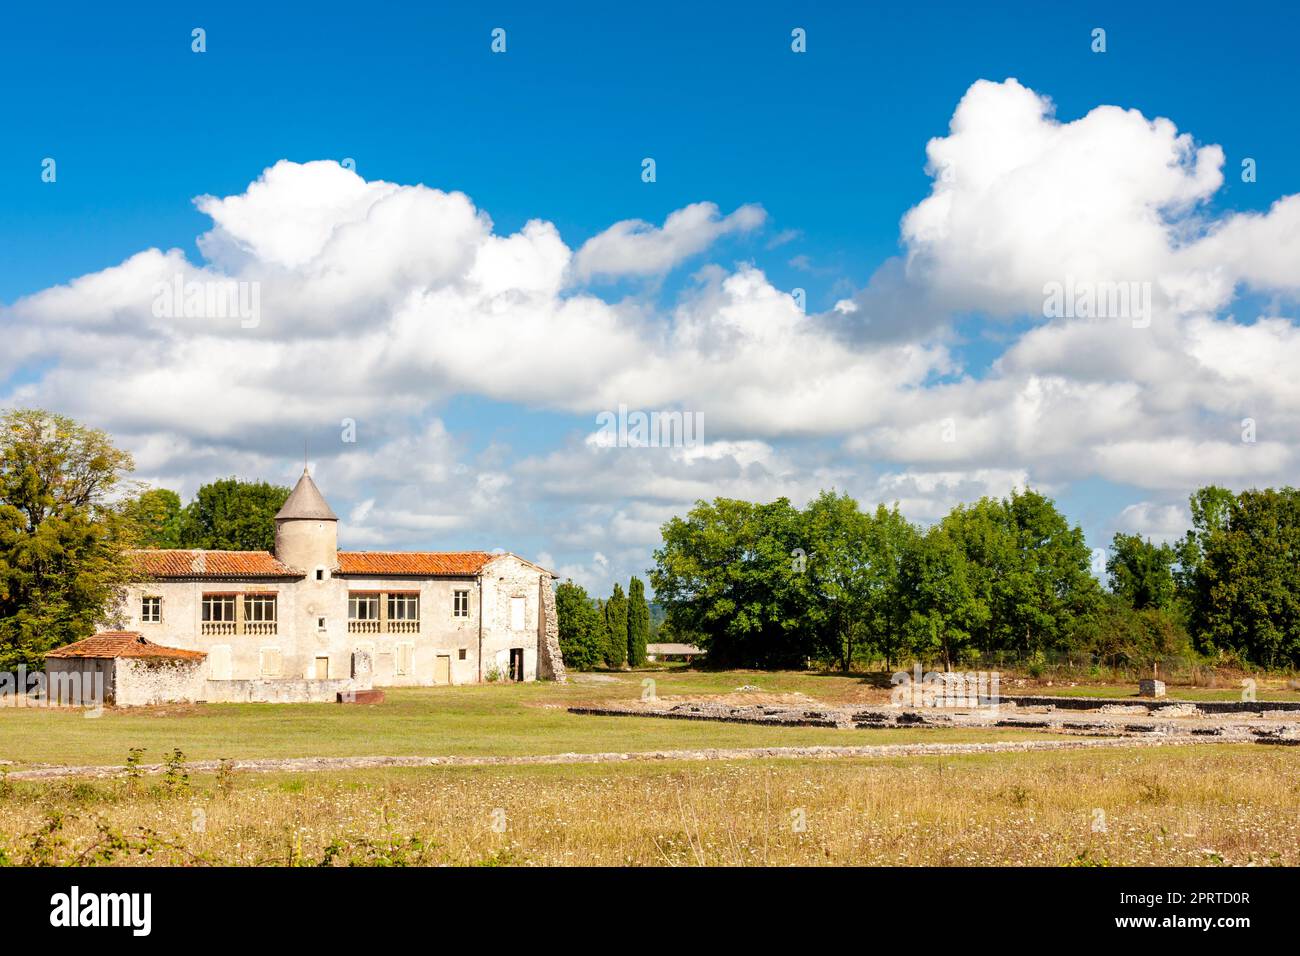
{"x": 483, "y": 720}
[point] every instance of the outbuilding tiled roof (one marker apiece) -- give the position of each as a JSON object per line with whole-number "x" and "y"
{"x": 420, "y": 563}
{"x": 209, "y": 564}
{"x": 112, "y": 644}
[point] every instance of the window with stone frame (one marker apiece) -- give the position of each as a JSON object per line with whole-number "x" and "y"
{"x": 363, "y": 612}
{"x": 403, "y": 607}
{"x": 218, "y": 607}
{"x": 403, "y": 613}
{"x": 151, "y": 610}
{"x": 260, "y": 614}
{"x": 460, "y": 603}
{"x": 363, "y": 607}
{"x": 219, "y": 614}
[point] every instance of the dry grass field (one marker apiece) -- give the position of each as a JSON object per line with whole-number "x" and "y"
{"x": 1209, "y": 804}
{"x": 486, "y": 720}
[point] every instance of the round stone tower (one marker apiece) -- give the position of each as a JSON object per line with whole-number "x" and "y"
{"x": 307, "y": 531}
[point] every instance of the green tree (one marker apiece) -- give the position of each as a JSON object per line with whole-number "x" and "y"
{"x": 730, "y": 574}
{"x": 638, "y": 623}
{"x": 154, "y": 518}
{"x": 233, "y": 515}
{"x": 890, "y": 538}
{"x": 603, "y": 634}
{"x": 832, "y": 574}
{"x": 944, "y": 611}
{"x": 1141, "y": 572}
{"x": 580, "y": 628}
{"x": 1246, "y": 586}
{"x": 1030, "y": 568}
{"x": 616, "y": 615}
{"x": 1210, "y": 507}
{"x": 852, "y": 594}
{"x": 1125, "y": 636}
{"x": 61, "y": 561}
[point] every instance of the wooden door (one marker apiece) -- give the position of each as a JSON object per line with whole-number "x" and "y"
{"x": 442, "y": 669}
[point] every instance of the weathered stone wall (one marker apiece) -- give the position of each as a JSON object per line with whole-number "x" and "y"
{"x": 144, "y": 681}
{"x": 507, "y": 580}
{"x": 277, "y": 691}
{"x": 1204, "y": 706}
{"x": 550, "y": 660}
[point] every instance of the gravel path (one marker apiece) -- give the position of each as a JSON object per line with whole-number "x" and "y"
{"x": 324, "y": 764}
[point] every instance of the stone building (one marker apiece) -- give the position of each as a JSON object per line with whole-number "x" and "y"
{"x": 125, "y": 669}
{"x": 312, "y": 614}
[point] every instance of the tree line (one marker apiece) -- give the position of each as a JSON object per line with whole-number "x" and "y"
{"x": 225, "y": 515}
{"x": 1009, "y": 579}
{"x": 610, "y": 632}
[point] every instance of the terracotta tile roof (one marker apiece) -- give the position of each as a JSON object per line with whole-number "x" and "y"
{"x": 422, "y": 563}
{"x": 210, "y": 564}
{"x": 123, "y": 644}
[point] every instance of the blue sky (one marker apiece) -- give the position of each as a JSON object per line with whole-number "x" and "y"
{"x": 830, "y": 144}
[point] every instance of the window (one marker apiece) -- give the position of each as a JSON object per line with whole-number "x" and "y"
{"x": 403, "y": 607}
{"x": 151, "y": 610}
{"x": 460, "y": 604}
{"x": 218, "y": 608}
{"x": 220, "y": 617}
{"x": 320, "y": 623}
{"x": 402, "y": 659}
{"x": 403, "y": 614}
{"x": 259, "y": 614}
{"x": 363, "y": 613}
{"x": 462, "y": 653}
{"x": 320, "y": 574}
{"x": 363, "y": 607}
{"x": 259, "y": 607}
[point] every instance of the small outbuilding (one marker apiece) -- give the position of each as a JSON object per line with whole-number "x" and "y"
{"x": 122, "y": 668}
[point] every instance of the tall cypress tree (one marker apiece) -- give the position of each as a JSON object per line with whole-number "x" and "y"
{"x": 638, "y": 623}
{"x": 616, "y": 615}
{"x": 603, "y": 635}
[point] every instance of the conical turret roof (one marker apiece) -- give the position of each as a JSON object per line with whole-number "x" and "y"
{"x": 306, "y": 502}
